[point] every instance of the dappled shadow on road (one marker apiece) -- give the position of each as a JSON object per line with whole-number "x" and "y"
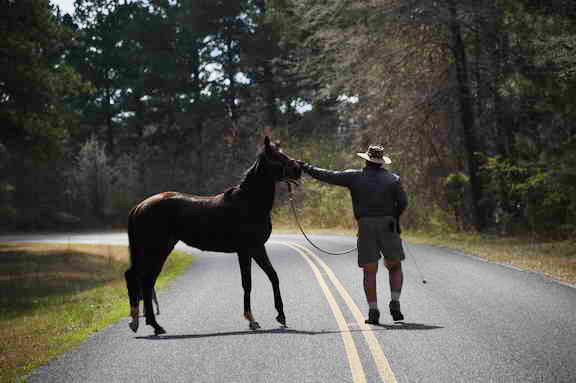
{"x": 291, "y": 331}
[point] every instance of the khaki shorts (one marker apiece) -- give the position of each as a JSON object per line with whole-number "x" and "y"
{"x": 377, "y": 237}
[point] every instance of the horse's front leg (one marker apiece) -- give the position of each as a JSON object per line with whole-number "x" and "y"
{"x": 246, "y": 274}
{"x": 261, "y": 258}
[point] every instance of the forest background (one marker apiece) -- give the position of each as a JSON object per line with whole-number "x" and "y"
{"x": 474, "y": 101}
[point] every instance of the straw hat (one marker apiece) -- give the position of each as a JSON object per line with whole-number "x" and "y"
{"x": 375, "y": 153}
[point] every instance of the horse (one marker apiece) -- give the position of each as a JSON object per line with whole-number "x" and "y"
{"x": 235, "y": 221}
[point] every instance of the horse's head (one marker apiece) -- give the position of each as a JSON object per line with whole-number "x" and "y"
{"x": 278, "y": 164}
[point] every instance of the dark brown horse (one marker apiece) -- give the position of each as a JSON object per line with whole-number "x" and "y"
{"x": 236, "y": 221}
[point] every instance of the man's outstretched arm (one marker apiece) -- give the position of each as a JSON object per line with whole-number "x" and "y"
{"x": 340, "y": 178}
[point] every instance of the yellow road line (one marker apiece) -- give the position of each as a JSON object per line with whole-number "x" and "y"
{"x": 380, "y": 360}
{"x": 356, "y": 368}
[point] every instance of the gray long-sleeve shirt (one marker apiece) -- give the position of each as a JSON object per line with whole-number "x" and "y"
{"x": 375, "y": 192}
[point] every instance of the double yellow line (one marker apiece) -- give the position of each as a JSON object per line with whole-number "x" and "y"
{"x": 358, "y": 375}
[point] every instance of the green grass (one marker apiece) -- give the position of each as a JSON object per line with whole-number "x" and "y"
{"x": 52, "y": 298}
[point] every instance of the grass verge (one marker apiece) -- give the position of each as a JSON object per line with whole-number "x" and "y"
{"x": 553, "y": 258}
{"x": 52, "y": 297}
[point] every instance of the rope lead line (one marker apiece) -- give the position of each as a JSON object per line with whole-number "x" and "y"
{"x": 302, "y": 230}
{"x": 345, "y": 251}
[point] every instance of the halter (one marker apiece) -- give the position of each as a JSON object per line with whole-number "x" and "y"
{"x": 284, "y": 171}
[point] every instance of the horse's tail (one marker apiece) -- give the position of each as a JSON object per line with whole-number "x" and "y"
{"x": 132, "y": 283}
{"x": 132, "y": 235}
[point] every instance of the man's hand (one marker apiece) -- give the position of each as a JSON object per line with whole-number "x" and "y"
{"x": 303, "y": 165}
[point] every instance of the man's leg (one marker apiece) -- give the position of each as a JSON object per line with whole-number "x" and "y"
{"x": 396, "y": 279}
{"x": 370, "y": 272}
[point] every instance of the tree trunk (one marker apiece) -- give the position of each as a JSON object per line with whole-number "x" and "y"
{"x": 270, "y": 97}
{"x": 231, "y": 94}
{"x": 109, "y": 122}
{"x": 467, "y": 117}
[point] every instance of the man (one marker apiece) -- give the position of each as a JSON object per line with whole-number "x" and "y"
{"x": 378, "y": 200}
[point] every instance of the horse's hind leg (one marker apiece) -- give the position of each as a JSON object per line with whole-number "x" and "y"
{"x": 148, "y": 291}
{"x": 261, "y": 258}
{"x": 246, "y": 274}
{"x": 133, "y": 285}
{"x": 156, "y": 259}
{"x": 154, "y": 301}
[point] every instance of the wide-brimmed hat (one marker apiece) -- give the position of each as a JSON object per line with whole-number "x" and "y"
{"x": 375, "y": 153}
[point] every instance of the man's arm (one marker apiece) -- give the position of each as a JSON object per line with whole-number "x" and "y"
{"x": 340, "y": 178}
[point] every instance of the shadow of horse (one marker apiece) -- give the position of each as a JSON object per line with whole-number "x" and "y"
{"x": 290, "y": 331}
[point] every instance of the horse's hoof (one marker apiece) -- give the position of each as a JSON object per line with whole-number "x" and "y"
{"x": 133, "y": 326}
{"x": 254, "y": 325}
{"x": 159, "y": 331}
{"x": 281, "y": 319}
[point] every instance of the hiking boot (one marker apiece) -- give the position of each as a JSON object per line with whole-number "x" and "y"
{"x": 395, "y": 311}
{"x": 373, "y": 317}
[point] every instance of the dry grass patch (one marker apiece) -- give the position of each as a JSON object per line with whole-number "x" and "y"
{"x": 556, "y": 259}
{"x": 293, "y": 229}
{"x": 115, "y": 252}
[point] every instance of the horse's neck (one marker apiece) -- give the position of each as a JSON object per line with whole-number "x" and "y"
{"x": 259, "y": 190}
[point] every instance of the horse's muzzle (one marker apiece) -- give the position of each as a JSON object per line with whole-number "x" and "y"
{"x": 295, "y": 171}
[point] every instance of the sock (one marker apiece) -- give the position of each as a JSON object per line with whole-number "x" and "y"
{"x": 373, "y": 305}
{"x": 396, "y": 280}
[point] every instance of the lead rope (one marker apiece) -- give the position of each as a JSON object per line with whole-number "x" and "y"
{"x": 345, "y": 251}
{"x": 290, "y": 197}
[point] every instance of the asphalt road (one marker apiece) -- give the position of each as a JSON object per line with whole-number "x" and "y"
{"x": 473, "y": 321}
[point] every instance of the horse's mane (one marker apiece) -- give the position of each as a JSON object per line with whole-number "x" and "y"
{"x": 248, "y": 173}
{"x": 252, "y": 170}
